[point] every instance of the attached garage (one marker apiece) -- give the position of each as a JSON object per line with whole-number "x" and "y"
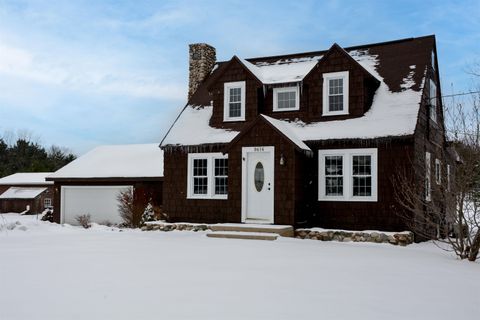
{"x": 91, "y": 184}
{"x": 99, "y": 202}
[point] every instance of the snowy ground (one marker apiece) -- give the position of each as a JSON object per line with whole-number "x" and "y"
{"x": 61, "y": 272}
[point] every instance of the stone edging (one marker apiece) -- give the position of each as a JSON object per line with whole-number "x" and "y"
{"x": 175, "y": 226}
{"x": 400, "y": 238}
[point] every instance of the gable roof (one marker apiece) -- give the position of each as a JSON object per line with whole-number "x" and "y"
{"x": 115, "y": 161}
{"x": 282, "y": 72}
{"x": 22, "y": 193}
{"x": 282, "y": 127}
{"x": 400, "y": 66}
{"x": 26, "y": 178}
{"x": 278, "y": 126}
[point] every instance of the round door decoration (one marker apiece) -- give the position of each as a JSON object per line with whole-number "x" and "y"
{"x": 259, "y": 176}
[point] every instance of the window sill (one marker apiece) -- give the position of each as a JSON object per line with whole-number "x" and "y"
{"x": 233, "y": 119}
{"x": 353, "y": 199}
{"x": 336, "y": 113}
{"x": 207, "y": 197}
{"x": 283, "y": 110}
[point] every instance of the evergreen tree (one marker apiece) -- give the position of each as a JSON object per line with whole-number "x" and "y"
{"x": 28, "y": 156}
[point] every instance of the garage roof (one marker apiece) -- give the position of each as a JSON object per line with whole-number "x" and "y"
{"x": 26, "y": 178}
{"x": 22, "y": 193}
{"x": 114, "y": 162}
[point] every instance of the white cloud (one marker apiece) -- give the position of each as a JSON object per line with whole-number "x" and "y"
{"x": 82, "y": 74}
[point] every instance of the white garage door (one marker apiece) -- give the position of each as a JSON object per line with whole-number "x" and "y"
{"x": 98, "y": 201}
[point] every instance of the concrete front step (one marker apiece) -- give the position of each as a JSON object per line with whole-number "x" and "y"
{"x": 243, "y": 235}
{"x": 282, "y": 230}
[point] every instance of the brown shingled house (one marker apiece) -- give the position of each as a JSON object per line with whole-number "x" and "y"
{"x": 308, "y": 139}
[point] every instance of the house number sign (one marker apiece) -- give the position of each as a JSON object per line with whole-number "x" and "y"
{"x": 258, "y": 149}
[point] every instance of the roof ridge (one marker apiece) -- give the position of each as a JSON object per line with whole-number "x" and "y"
{"x": 307, "y": 53}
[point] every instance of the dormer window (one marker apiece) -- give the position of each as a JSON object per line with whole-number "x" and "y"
{"x": 286, "y": 99}
{"x": 335, "y": 93}
{"x": 234, "y": 101}
{"x": 433, "y": 101}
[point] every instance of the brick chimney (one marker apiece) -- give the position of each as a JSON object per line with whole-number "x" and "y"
{"x": 202, "y": 58}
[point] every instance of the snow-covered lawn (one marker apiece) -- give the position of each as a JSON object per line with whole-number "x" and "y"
{"x": 50, "y": 272}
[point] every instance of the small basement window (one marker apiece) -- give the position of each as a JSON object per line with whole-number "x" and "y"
{"x": 286, "y": 99}
{"x": 234, "y": 101}
{"x": 335, "y": 93}
{"x": 207, "y": 176}
{"x": 348, "y": 175}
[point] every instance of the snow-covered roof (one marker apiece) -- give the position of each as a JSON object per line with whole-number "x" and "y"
{"x": 282, "y": 71}
{"x": 393, "y": 112}
{"x": 115, "y": 161}
{"x": 22, "y": 193}
{"x": 192, "y": 128}
{"x": 26, "y": 178}
{"x": 284, "y": 128}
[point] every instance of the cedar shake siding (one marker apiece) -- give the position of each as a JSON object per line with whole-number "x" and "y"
{"x": 180, "y": 209}
{"x": 394, "y": 155}
{"x": 388, "y": 90}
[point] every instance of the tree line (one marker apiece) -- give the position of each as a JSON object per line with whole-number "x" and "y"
{"x": 24, "y": 155}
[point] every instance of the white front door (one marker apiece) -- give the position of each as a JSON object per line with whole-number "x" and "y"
{"x": 257, "y": 184}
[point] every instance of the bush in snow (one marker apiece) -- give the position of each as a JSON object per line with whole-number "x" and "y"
{"x": 84, "y": 220}
{"x": 149, "y": 213}
{"x": 132, "y": 210}
{"x": 47, "y": 215}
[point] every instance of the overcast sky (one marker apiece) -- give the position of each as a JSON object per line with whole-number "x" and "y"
{"x": 85, "y": 73}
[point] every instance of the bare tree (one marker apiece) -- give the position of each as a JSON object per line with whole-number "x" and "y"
{"x": 450, "y": 213}
{"x": 131, "y": 208}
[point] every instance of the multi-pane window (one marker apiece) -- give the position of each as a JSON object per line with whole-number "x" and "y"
{"x": 348, "y": 175}
{"x": 285, "y": 99}
{"x": 221, "y": 176}
{"x": 200, "y": 176}
{"x": 335, "y": 93}
{"x": 207, "y": 176}
{"x": 334, "y": 175}
{"x": 234, "y": 101}
{"x": 433, "y": 101}
{"x": 362, "y": 176}
{"x": 47, "y": 202}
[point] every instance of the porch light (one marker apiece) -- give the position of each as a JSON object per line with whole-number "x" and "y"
{"x": 282, "y": 160}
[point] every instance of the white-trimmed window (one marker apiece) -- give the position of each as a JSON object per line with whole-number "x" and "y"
{"x": 448, "y": 177}
{"x": 207, "y": 176}
{"x": 438, "y": 171}
{"x": 335, "y": 93}
{"x": 433, "y": 101}
{"x": 428, "y": 172}
{"x": 47, "y": 202}
{"x": 286, "y": 99}
{"x": 234, "y": 101}
{"x": 348, "y": 175}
